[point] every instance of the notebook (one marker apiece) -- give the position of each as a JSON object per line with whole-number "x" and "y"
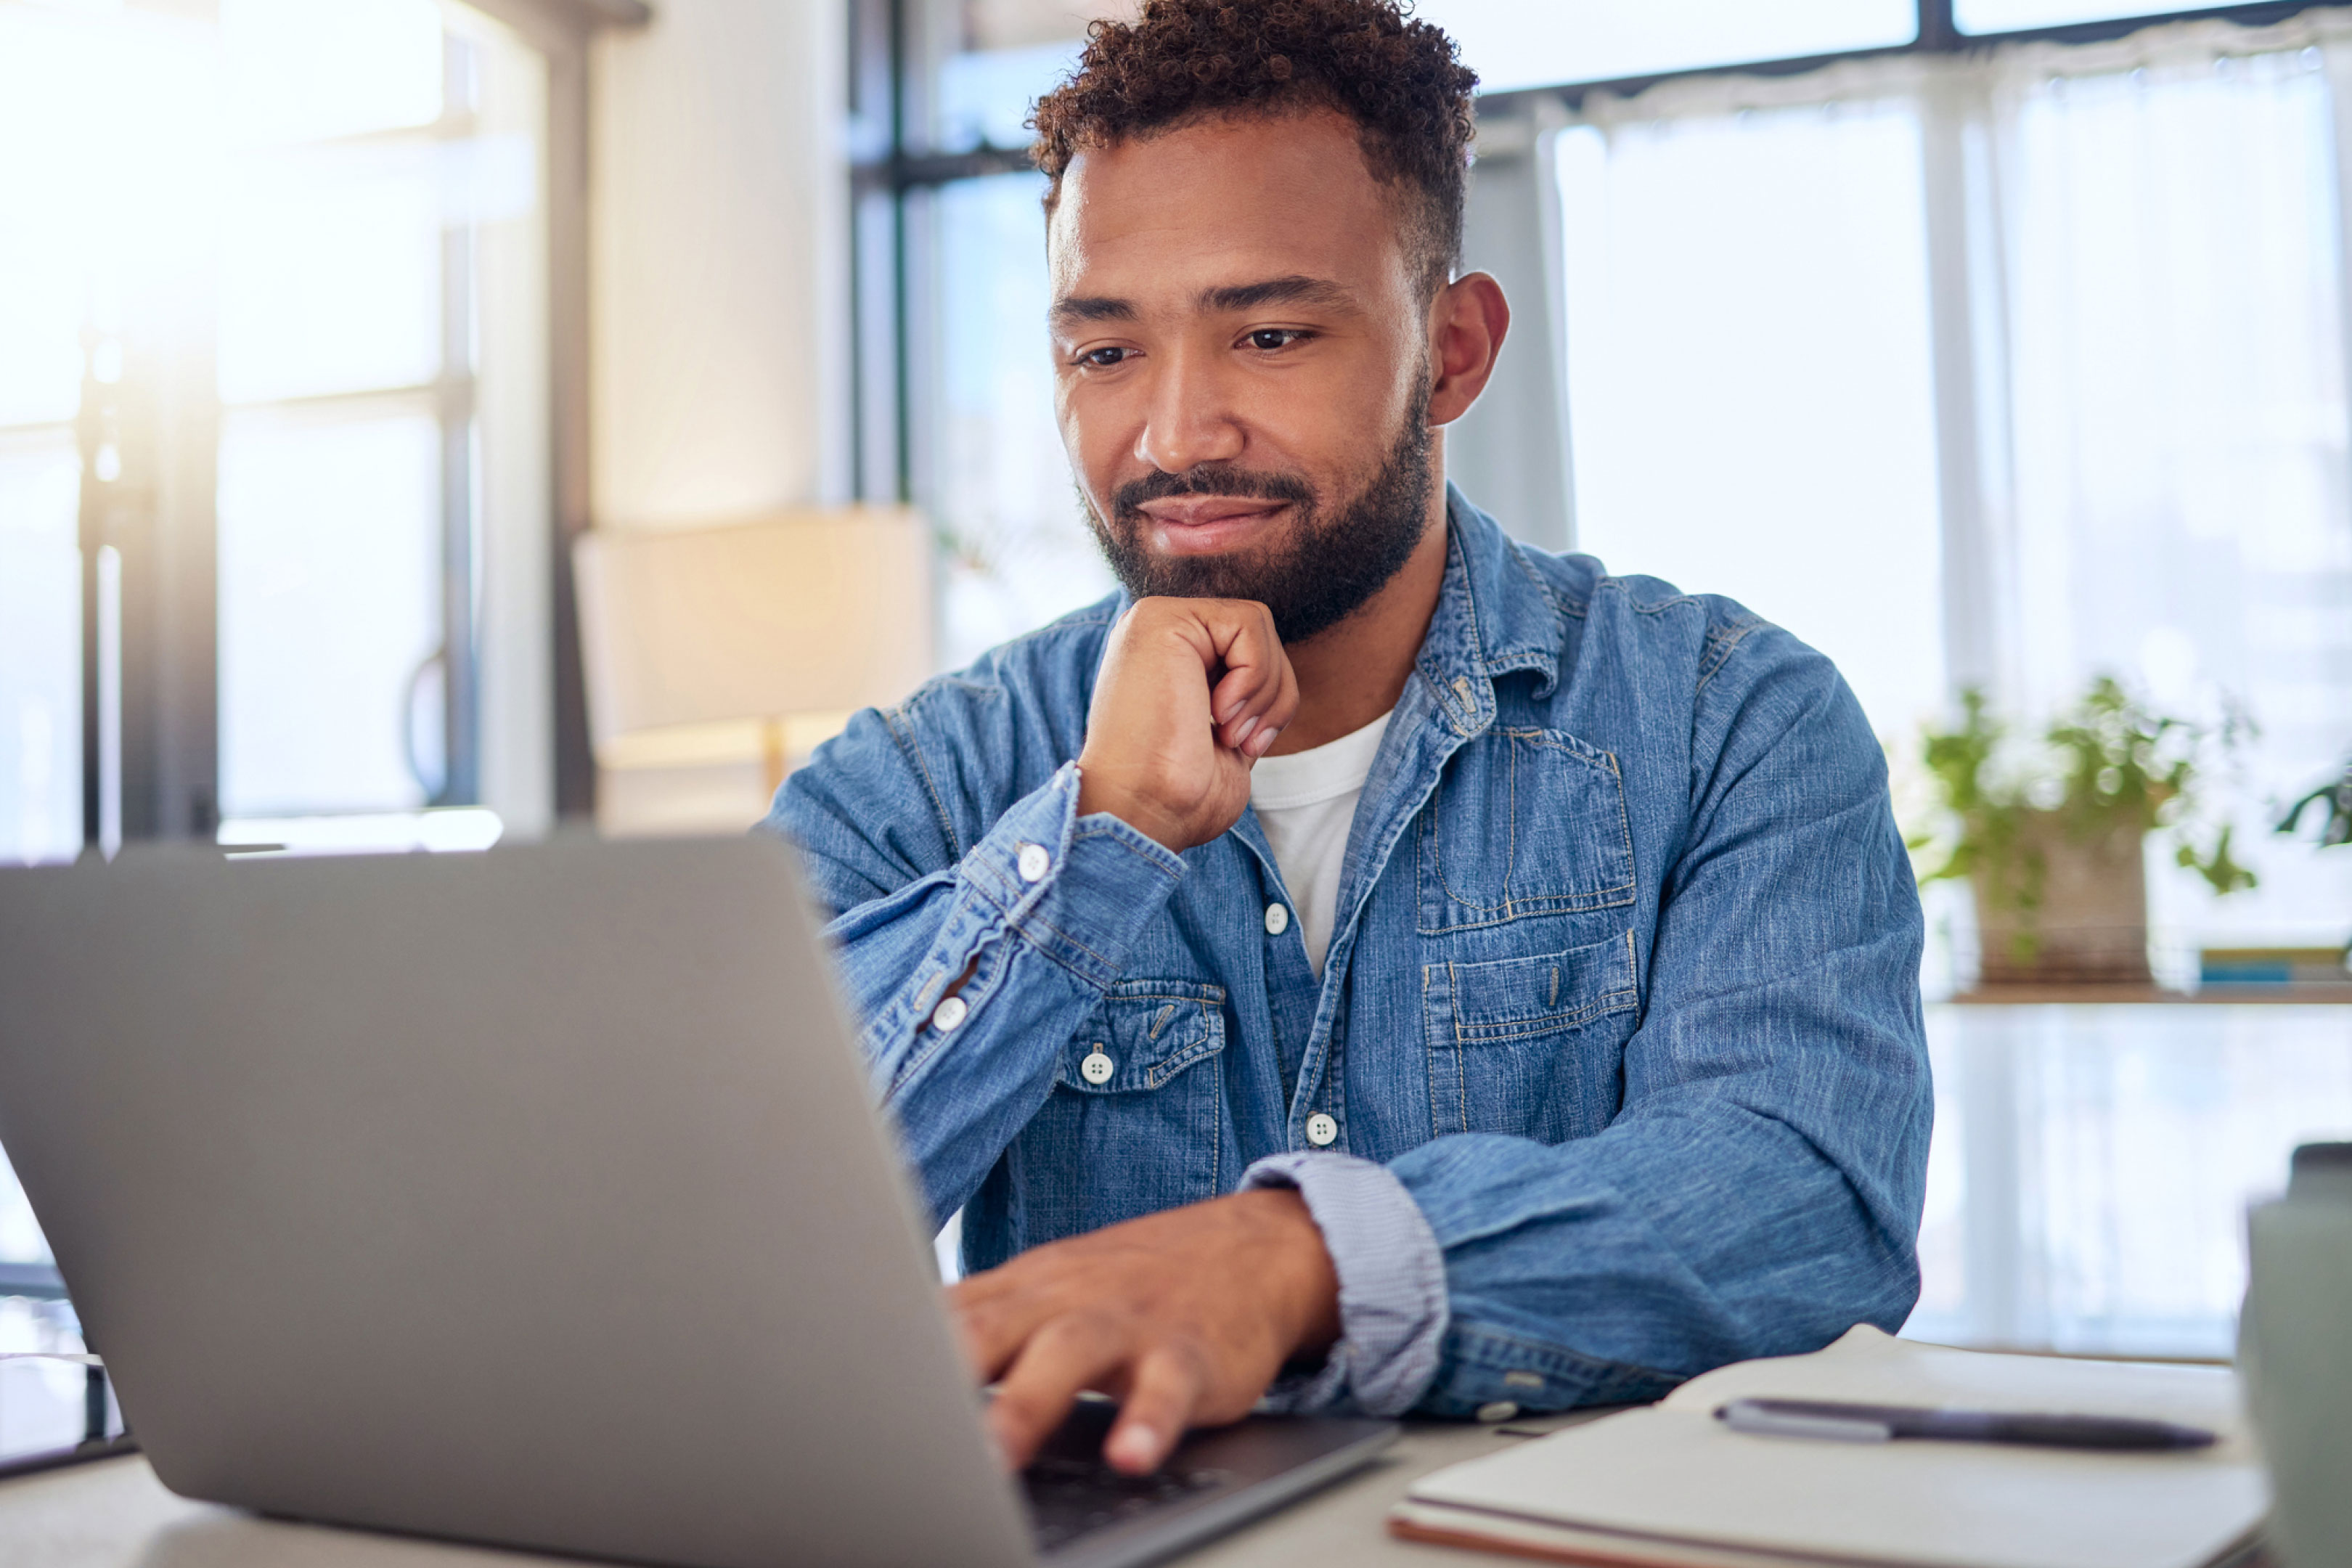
{"x": 1671, "y": 1487}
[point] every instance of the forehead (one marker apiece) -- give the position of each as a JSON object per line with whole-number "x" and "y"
{"x": 1159, "y": 219}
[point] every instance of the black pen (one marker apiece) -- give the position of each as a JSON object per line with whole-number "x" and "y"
{"x": 1885, "y": 1422}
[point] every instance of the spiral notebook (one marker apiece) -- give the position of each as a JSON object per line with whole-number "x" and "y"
{"x": 1671, "y": 1487}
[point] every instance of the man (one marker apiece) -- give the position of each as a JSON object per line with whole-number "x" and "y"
{"x": 1368, "y": 959}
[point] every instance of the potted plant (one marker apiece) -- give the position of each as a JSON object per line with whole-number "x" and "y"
{"x": 2049, "y": 833}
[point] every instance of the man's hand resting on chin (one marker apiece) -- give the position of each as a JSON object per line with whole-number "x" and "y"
{"x": 1183, "y": 1316}
{"x": 1191, "y": 693}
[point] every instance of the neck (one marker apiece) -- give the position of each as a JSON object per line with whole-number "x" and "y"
{"x": 1353, "y": 672}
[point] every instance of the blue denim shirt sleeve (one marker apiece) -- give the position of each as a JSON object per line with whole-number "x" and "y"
{"x": 1392, "y": 1311}
{"x": 1040, "y": 948}
{"x": 1757, "y": 1190}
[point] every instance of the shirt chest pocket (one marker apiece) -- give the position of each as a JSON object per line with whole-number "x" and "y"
{"x": 1529, "y": 1047}
{"x": 1135, "y": 1123}
{"x": 1522, "y": 823}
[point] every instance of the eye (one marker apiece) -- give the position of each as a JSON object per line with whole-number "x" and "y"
{"x": 1269, "y": 339}
{"x": 1103, "y": 359}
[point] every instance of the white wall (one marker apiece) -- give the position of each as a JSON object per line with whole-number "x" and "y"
{"x": 719, "y": 262}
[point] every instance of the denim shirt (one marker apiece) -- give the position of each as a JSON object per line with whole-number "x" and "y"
{"x": 1618, "y": 1035}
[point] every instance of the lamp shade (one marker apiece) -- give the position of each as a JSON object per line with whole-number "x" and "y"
{"x": 696, "y": 642}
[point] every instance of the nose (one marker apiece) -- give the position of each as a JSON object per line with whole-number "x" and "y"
{"x": 1189, "y": 420}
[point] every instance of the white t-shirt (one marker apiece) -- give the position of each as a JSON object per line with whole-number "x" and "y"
{"x": 1306, "y": 802}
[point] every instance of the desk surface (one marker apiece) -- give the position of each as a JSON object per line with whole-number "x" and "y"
{"x": 115, "y": 1514}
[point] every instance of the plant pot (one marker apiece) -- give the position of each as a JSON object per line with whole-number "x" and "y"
{"x": 2089, "y": 924}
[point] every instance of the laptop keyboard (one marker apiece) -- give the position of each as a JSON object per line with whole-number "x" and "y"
{"x": 1069, "y": 1497}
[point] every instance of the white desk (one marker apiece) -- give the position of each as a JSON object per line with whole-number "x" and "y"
{"x": 115, "y": 1514}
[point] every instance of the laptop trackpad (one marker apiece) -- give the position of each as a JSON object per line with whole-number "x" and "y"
{"x": 1087, "y": 1515}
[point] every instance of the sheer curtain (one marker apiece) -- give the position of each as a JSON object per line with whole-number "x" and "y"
{"x": 2011, "y": 371}
{"x": 2178, "y": 510}
{"x": 1749, "y": 366}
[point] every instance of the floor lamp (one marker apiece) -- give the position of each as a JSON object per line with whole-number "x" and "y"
{"x": 714, "y": 651}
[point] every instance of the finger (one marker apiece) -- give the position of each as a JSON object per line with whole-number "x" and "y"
{"x": 1069, "y": 1353}
{"x": 1240, "y": 694}
{"x": 1257, "y": 673}
{"x": 992, "y": 1326}
{"x": 1272, "y": 712}
{"x": 1160, "y": 1399}
{"x": 964, "y": 1319}
{"x": 1249, "y": 726}
{"x": 1241, "y": 632}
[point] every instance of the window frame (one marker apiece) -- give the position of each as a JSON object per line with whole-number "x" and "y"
{"x": 150, "y": 702}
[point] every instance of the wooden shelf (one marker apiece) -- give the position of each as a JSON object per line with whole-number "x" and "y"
{"x": 2129, "y": 996}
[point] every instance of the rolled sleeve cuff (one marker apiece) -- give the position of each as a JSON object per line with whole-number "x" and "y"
{"x": 1392, "y": 1306}
{"x": 1080, "y": 888}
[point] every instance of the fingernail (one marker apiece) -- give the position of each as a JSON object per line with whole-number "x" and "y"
{"x": 1265, "y": 738}
{"x": 1137, "y": 1447}
{"x": 1242, "y": 733}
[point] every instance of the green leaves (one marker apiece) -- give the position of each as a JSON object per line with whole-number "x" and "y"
{"x": 2335, "y": 802}
{"x": 2107, "y": 765}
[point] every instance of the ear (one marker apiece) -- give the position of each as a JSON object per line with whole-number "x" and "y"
{"x": 1468, "y": 325}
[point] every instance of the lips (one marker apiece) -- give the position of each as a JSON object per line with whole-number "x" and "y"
{"x": 1197, "y": 526}
{"x": 1199, "y": 511}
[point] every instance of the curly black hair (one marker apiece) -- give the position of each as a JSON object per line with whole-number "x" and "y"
{"x": 1185, "y": 60}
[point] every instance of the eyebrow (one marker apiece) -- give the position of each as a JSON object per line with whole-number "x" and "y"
{"x": 1083, "y": 308}
{"x": 1295, "y": 289}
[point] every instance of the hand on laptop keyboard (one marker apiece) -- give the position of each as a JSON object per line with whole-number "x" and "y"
{"x": 1185, "y": 1316}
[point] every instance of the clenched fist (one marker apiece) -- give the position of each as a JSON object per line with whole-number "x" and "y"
{"x": 1191, "y": 693}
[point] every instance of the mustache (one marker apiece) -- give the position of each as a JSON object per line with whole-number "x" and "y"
{"x": 1208, "y": 480}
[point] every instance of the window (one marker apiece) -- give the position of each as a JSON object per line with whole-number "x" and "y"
{"x": 276, "y": 427}
{"x": 1017, "y": 553}
{"x": 2176, "y": 366}
{"x": 276, "y": 338}
{"x": 1513, "y": 45}
{"x": 1751, "y": 385}
{"x": 2009, "y": 372}
{"x": 2019, "y": 16}
{"x": 364, "y": 213}
{"x": 952, "y": 296}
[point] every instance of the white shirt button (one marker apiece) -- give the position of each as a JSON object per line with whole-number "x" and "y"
{"x": 948, "y": 1014}
{"x": 1097, "y": 1068}
{"x": 1321, "y": 1131}
{"x": 1499, "y": 1410}
{"x": 1277, "y": 920}
{"x": 1035, "y": 862}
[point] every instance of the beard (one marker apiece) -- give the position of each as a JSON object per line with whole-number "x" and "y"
{"x": 1332, "y": 561}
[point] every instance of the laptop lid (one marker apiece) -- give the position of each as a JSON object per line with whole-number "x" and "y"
{"x": 529, "y": 1197}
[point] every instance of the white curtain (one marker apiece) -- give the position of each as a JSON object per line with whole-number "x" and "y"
{"x": 2009, "y": 371}
{"x": 2174, "y": 362}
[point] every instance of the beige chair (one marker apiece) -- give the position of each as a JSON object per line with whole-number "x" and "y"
{"x": 717, "y": 658}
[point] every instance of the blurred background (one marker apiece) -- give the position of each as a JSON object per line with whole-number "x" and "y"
{"x": 421, "y": 423}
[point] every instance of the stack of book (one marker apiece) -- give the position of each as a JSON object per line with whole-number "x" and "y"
{"x": 2269, "y": 970}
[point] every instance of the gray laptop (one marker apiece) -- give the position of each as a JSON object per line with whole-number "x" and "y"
{"x": 534, "y": 1198}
